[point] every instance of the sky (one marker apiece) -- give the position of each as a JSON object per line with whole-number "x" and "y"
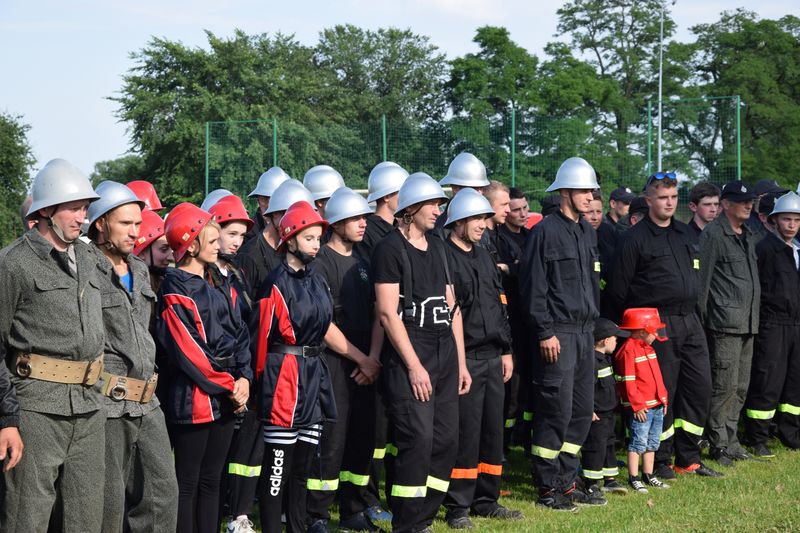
{"x": 61, "y": 60}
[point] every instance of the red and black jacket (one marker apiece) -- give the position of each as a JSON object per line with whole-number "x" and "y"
{"x": 207, "y": 346}
{"x": 639, "y": 377}
{"x": 295, "y": 309}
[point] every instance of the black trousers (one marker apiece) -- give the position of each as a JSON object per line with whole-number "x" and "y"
{"x": 244, "y": 464}
{"x": 370, "y": 495}
{"x": 686, "y": 370}
{"x": 598, "y": 457}
{"x": 475, "y": 479}
{"x": 344, "y": 454}
{"x": 282, "y": 489}
{"x": 774, "y": 388}
{"x": 200, "y": 453}
{"x": 519, "y": 401}
{"x": 563, "y": 402}
{"x": 423, "y": 435}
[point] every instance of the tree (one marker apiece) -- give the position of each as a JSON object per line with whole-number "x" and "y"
{"x": 760, "y": 61}
{"x": 16, "y": 163}
{"x": 123, "y": 169}
{"x": 390, "y": 72}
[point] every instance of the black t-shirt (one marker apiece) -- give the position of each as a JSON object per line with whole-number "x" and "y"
{"x": 352, "y": 292}
{"x": 427, "y": 273}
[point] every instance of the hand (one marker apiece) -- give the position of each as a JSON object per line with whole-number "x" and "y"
{"x": 370, "y": 368}
{"x": 595, "y": 418}
{"x": 359, "y": 377}
{"x": 503, "y": 268}
{"x": 665, "y": 410}
{"x": 420, "y": 383}
{"x": 549, "y": 349}
{"x": 241, "y": 392}
{"x": 641, "y": 415}
{"x": 10, "y": 447}
{"x": 464, "y": 380}
{"x": 508, "y": 367}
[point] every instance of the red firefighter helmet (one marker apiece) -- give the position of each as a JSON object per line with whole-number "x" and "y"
{"x": 183, "y": 225}
{"x": 151, "y": 229}
{"x": 646, "y": 318}
{"x": 145, "y": 192}
{"x": 230, "y": 209}
{"x": 298, "y": 217}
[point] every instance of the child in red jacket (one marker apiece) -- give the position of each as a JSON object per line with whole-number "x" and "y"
{"x": 642, "y": 390}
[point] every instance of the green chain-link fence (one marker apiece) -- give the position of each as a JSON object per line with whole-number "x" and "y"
{"x": 700, "y": 141}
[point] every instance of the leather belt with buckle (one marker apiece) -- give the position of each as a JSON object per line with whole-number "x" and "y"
{"x": 44, "y": 368}
{"x": 305, "y": 351}
{"x": 120, "y": 388}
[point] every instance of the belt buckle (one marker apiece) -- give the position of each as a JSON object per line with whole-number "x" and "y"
{"x": 304, "y": 351}
{"x": 24, "y": 366}
{"x": 119, "y": 392}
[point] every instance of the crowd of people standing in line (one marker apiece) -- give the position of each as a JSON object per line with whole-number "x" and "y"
{"x": 295, "y": 357}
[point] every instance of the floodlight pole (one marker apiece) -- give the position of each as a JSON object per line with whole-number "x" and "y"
{"x": 660, "y": 79}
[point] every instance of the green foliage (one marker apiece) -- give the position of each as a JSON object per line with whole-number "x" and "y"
{"x": 759, "y": 60}
{"x": 123, "y": 169}
{"x": 16, "y": 162}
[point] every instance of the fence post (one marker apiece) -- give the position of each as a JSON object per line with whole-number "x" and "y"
{"x": 274, "y": 142}
{"x": 513, "y": 146}
{"x": 206, "y": 185}
{"x": 649, "y": 137}
{"x": 383, "y": 136}
{"x": 738, "y": 137}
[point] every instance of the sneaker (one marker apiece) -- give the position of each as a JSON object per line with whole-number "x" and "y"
{"x": 698, "y": 468}
{"x": 357, "y": 522}
{"x": 377, "y": 514}
{"x": 653, "y": 481}
{"x": 460, "y": 522}
{"x": 664, "y": 471}
{"x": 614, "y": 487}
{"x": 720, "y": 455}
{"x": 761, "y": 451}
{"x": 318, "y": 526}
{"x": 637, "y": 485}
{"x": 553, "y": 499}
{"x": 501, "y": 513}
{"x": 739, "y": 455}
{"x": 595, "y": 495}
{"x": 241, "y": 525}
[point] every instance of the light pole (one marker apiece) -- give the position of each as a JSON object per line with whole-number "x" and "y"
{"x": 661, "y": 76}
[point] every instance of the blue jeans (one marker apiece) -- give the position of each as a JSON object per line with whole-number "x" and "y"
{"x": 646, "y": 436}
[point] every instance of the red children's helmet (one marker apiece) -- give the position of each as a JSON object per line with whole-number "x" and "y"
{"x": 230, "y": 209}
{"x": 183, "y": 225}
{"x": 298, "y": 217}
{"x": 646, "y": 318}
{"x": 145, "y": 192}
{"x": 151, "y": 229}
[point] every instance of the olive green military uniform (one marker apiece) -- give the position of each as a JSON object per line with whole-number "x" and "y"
{"x": 135, "y": 432}
{"x": 50, "y": 305}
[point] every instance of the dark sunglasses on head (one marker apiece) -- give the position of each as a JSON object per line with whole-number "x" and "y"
{"x": 661, "y": 176}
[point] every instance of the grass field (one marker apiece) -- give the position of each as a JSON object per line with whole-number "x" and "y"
{"x": 753, "y": 496}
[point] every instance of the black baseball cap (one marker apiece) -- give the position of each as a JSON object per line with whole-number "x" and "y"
{"x": 768, "y": 186}
{"x": 604, "y": 328}
{"x": 622, "y": 194}
{"x": 639, "y": 205}
{"x": 767, "y": 203}
{"x": 738, "y": 191}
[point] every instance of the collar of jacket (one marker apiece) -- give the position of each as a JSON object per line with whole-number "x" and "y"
{"x": 568, "y": 222}
{"x": 41, "y": 246}
{"x": 655, "y": 229}
{"x": 303, "y": 272}
{"x": 728, "y": 229}
{"x": 105, "y": 265}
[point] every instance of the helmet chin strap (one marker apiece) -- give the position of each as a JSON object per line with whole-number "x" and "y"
{"x": 59, "y": 232}
{"x": 108, "y": 245}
